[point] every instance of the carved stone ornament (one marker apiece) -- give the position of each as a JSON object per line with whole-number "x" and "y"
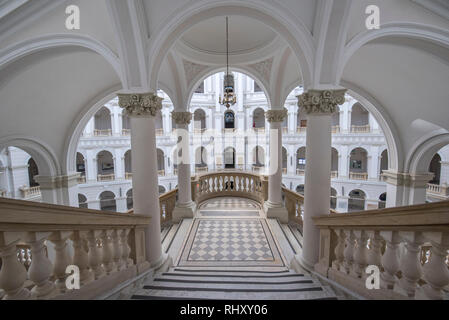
{"x": 276, "y": 115}
{"x": 140, "y": 105}
{"x": 182, "y": 117}
{"x": 321, "y": 101}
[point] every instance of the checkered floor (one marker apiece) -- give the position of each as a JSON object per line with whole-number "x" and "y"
{"x": 230, "y": 203}
{"x": 230, "y": 240}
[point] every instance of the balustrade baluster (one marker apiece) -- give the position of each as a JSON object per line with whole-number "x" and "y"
{"x": 41, "y": 267}
{"x": 117, "y": 250}
{"x": 436, "y": 273}
{"x": 410, "y": 263}
{"x": 339, "y": 250}
{"x": 349, "y": 251}
{"x": 126, "y": 249}
{"x": 12, "y": 274}
{"x": 390, "y": 259}
{"x": 94, "y": 254}
{"x": 374, "y": 254}
{"x": 62, "y": 258}
{"x": 360, "y": 253}
{"x": 80, "y": 256}
{"x": 107, "y": 251}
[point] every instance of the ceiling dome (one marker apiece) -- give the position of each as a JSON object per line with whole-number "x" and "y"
{"x": 245, "y": 35}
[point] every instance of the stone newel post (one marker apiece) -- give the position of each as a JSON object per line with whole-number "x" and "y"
{"x": 319, "y": 106}
{"x": 185, "y": 208}
{"x": 142, "y": 110}
{"x": 274, "y": 206}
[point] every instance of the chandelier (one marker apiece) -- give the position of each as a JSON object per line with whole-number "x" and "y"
{"x": 229, "y": 97}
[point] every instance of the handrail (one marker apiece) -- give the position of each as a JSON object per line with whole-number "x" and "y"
{"x": 408, "y": 244}
{"x": 229, "y": 183}
{"x": 167, "y": 203}
{"x": 107, "y": 247}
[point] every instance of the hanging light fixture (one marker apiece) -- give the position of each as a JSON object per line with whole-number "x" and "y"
{"x": 229, "y": 97}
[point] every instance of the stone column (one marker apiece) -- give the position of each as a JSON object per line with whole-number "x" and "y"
{"x": 274, "y": 206}
{"x": 142, "y": 110}
{"x": 59, "y": 189}
{"x": 185, "y": 208}
{"x": 319, "y": 106}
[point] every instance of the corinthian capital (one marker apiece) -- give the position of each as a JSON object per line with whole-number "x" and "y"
{"x": 276, "y": 115}
{"x": 182, "y": 117}
{"x": 140, "y": 105}
{"x": 321, "y": 101}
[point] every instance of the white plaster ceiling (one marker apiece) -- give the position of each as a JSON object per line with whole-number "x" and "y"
{"x": 246, "y": 35}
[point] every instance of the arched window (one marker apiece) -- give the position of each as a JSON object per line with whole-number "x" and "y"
{"x": 334, "y": 163}
{"x": 358, "y": 164}
{"x": 384, "y": 161}
{"x": 82, "y": 201}
{"x": 259, "y": 119}
{"x": 103, "y": 123}
{"x": 359, "y": 119}
{"x": 80, "y": 164}
{"x": 128, "y": 165}
{"x": 161, "y": 190}
{"x": 356, "y": 200}
{"x": 229, "y": 158}
{"x": 229, "y": 120}
{"x": 258, "y": 157}
{"x": 32, "y": 172}
{"x": 382, "y": 200}
{"x": 300, "y": 189}
{"x": 160, "y": 162}
{"x": 107, "y": 201}
{"x": 333, "y": 198}
{"x": 435, "y": 168}
{"x": 105, "y": 166}
{"x": 129, "y": 199}
{"x": 199, "y": 120}
{"x": 284, "y": 160}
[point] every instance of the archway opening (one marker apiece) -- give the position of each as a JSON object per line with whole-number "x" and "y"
{"x": 105, "y": 166}
{"x": 333, "y": 199}
{"x": 229, "y": 158}
{"x": 199, "y": 120}
{"x": 129, "y": 199}
{"x": 356, "y": 201}
{"x": 259, "y": 120}
{"x": 229, "y": 119}
{"x": 359, "y": 119}
{"x": 107, "y": 201}
{"x": 358, "y": 164}
{"x": 82, "y": 201}
{"x": 103, "y": 122}
{"x": 435, "y": 168}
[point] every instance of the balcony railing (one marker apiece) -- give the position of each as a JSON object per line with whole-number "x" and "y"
{"x": 103, "y": 133}
{"x": 294, "y": 203}
{"x": 229, "y": 183}
{"x": 335, "y": 129}
{"x": 30, "y": 192}
{"x": 126, "y": 132}
{"x": 105, "y": 177}
{"x": 361, "y": 129}
{"x": 108, "y": 249}
{"x": 201, "y": 169}
{"x": 358, "y": 176}
{"x": 81, "y": 179}
{"x": 438, "y": 190}
{"x": 300, "y": 172}
{"x": 408, "y": 245}
{"x": 301, "y": 130}
{"x": 128, "y": 176}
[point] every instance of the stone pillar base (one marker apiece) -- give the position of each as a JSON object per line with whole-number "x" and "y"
{"x": 276, "y": 211}
{"x": 183, "y": 211}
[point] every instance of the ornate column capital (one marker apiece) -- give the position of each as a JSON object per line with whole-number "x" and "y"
{"x": 321, "y": 101}
{"x": 276, "y": 115}
{"x": 140, "y": 105}
{"x": 182, "y": 117}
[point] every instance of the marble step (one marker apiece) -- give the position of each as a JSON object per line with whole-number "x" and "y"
{"x": 164, "y": 232}
{"x": 199, "y": 285}
{"x": 249, "y": 270}
{"x": 230, "y": 280}
{"x": 318, "y": 294}
{"x": 243, "y": 275}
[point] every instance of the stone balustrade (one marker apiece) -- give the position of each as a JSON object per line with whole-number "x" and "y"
{"x": 167, "y": 203}
{"x": 361, "y": 129}
{"x": 335, "y": 129}
{"x": 105, "y": 246}
{"x": 300, "y": 172}
{"x": 409, "y": 245}
{"x": 81, "y": 179}
{"x": 103, "y": 133}
{"x": 358, "y": 175}
{"x": 105, "y": 177}
{"x": 438, "y": 190}
{"x": 229, "y": 184}
{"x": 294, "y": 203}
{"x": 30, "y": 192}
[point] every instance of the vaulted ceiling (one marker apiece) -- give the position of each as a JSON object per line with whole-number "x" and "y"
{"x": 54, "y": 77}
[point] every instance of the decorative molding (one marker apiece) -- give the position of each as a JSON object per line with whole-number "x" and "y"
{"x": 182, "y": 117}
{"x": 192, "y": 69}
{"x": 264, "y": 68}
{"x": 321, "y": 101}
{"x": 276, "y": 115}
{"x": 407, "y": 179}
{"x": 140, "y": 105}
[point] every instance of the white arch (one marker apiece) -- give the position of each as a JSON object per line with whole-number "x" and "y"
{"x": 418, "y": 160}
{"x": 294, "y": 32}
{"x": 45, "y": 158}
{"x": 407, "y": 30}
{"x": 103, "y": 191}
{"x": 19, "y": 50}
